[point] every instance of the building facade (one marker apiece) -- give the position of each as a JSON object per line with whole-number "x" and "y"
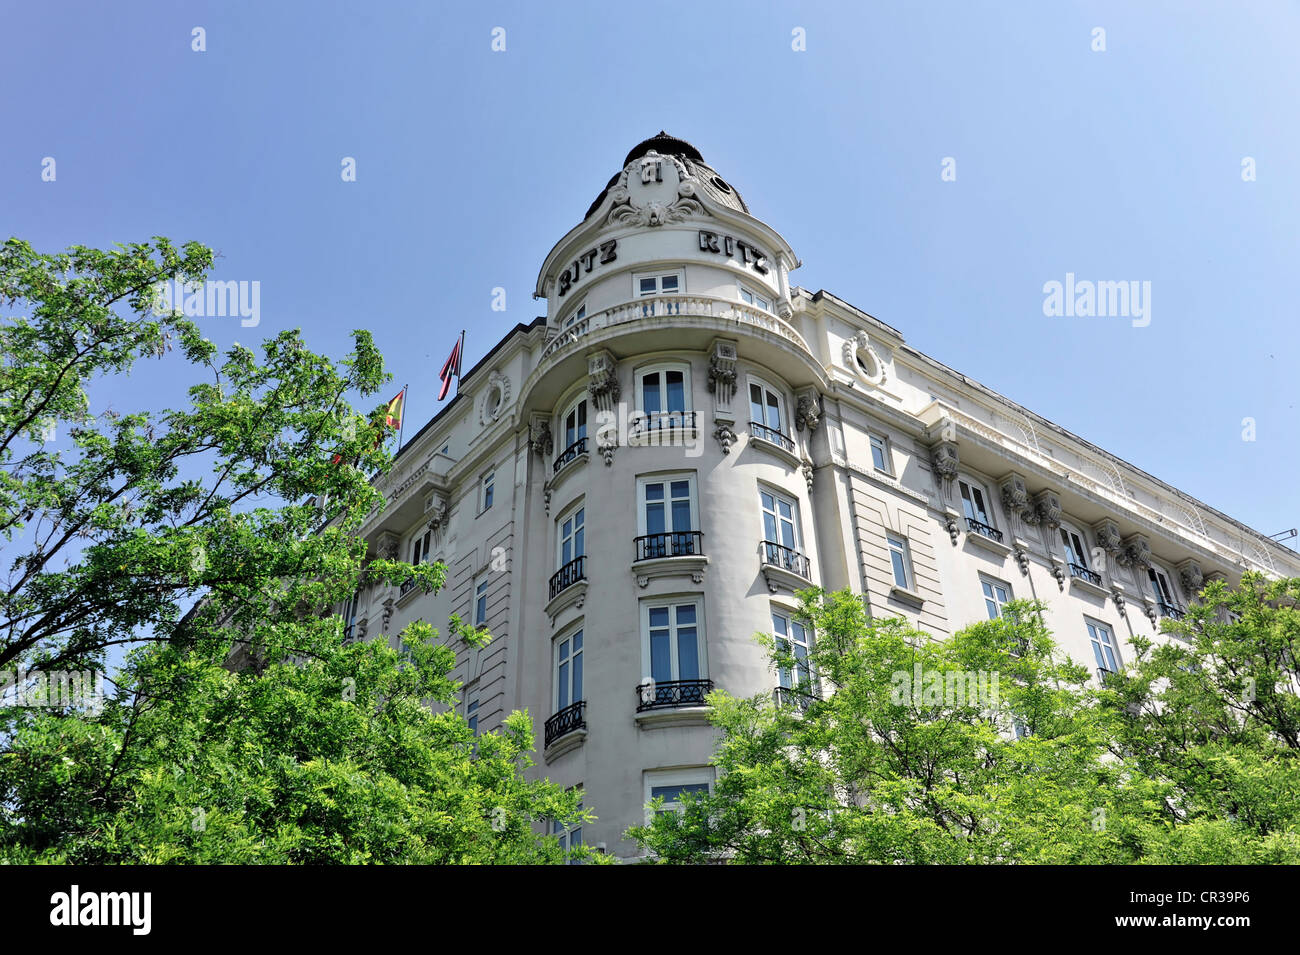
{"x": 628, "y": 489}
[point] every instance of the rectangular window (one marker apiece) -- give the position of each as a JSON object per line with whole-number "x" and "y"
{"x": 666, "y": 517}
{"x": 350, "y": 607}
{"x": 765, "y": 414}
{"x": 573, "y": 536}
{"x": 674, "y": 646}
{"x": 672, "y": 786}
{"x": 880, "y": 454}
{"x": 792, "y": 637}
{"x": 1072, "y": 543}
{"x": 780, "y": 519}
{"x": 901, "y": 559}
{"x": 662, "y": 391}
{"x": 577, "y": 315}
{"x": 755, "y": 299}
{"x": 996, "y": 594}
{"x": 570, "y": 838}
{"x": 471, "y": 716}
{"x": 488, "y": 491}
{"x": 420, "y": 548}
{"x": 568, "y": 670}
{"x": 659, "y": 283}
{"x": 575, "y": 424}
{"x": 1103, "y": 647}
{"x": 480, "y": 602}
{"x": 972, "y": 503}
{"x": 1160, "y": 587}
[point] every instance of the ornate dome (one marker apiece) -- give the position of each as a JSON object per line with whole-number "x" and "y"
{"x": 713, "y": 185}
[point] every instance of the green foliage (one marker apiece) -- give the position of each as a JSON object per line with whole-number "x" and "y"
{"x": 1035, "y": 767}
{"x": 176, "y": 532}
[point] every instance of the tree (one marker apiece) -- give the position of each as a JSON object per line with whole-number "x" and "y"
{"x": 175, "y": 532}
{"x": 1214, "y": 715}
{"x": 898, "y": 760}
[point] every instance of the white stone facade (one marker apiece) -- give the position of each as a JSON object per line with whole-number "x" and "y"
{"x": 666, "y": 307}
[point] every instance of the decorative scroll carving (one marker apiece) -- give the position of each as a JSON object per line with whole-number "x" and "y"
{"x": 655, "y": 213}
{"x": 388, "y": 545}
{"x": 1015, "y": 498}
{"x": 1135, "y": 552}
{"x": 495, "y": 398}
{"x": 437, "y": 508}
{"x": 861, "y": 359}
{"x": 1108, "y": 537}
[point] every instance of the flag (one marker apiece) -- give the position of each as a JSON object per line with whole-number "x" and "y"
{"x": 393, "y": 414}
{"x": 451, "y": 367}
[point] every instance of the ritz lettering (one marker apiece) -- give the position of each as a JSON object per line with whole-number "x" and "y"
{"x": 608, "y": 252}
{"x": 728, "y": 246}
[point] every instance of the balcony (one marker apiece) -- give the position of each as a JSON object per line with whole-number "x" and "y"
{"x": 784, "y": 567}
{"x": 566, "y": 721}
{"x": 1084, "y": 574}
{"x": 759, "y": 430}
{"x": 670, "y": 544}
{"x": 984, "y": 530}
{"x": 660, "y": 428}
{"x": 1169, "y": 610}
{"x": 569, "y": 455}
{"x": 568, "y": 575}
{"x": 672, "y": 694}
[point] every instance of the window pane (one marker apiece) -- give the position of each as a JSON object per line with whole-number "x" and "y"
{"x": 577, "y": 677}
{"x": 661, "y": 667}
{"x": 773, "y": 412}
{"x": 647, "y": 286}
{"x": 688, "y": 654}
{"x": 654, "y": 518}
{"x": 900, "y": 568}
{"x": 682, "y": 515}
{"x": 878, "y": 454}
{"x": 755, "y": 403}
{"x": 681, "y": 488}
{"x": 676, "y": 391}
{"x": 563, "y": 698}
{"x": 659, "y": 616}
{"x": 650, "y": 389}
{"x": 669, "y": 283}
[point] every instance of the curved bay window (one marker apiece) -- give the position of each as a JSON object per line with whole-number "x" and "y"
{"x": 573, "y": 433}
{"x": 666, "y": 517}
{"x": 766, "y": 418}
{"x": 663, "y": 400}
{"x": 672, "y": 655}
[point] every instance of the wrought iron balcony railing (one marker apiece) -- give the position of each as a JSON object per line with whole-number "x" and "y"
{"x": 778, "y": 555}
{"x": 1169, "y": 610}
{"x": 668, "y": 694}
{"x": 566, "y": 721}
{"x": 760, "y": 430}
{"x": 568, "y": 575}
{"x": 985, "y": 530}
{"x": 1083, "y": 573}
{"x": 657, "y": 427}
{"x": 670, "y": 544}
{"x": 568, "y": 454}
{"x": 348, "y": 631}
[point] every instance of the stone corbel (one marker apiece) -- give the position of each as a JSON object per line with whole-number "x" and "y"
{"x": 539, "y": 435}
{"x": 1108, "y": 539}
{"x": 1022, "y": 560}
{"x": 808, "y": 410}
{"x": 1015, "y": 500}
{"x": 1047, "y": 515}
{"x": 806, "y": 466}
{"x": 388, "y": 545}
{"x": 603, "y": 386}
{"x": 1118, "y": 596}
{"x": 951, "y": 526}
{"x": 722, "y": 378}
{"x": 944, "y": 462}
{"x": 437, "y": 508}
{"x": 1191, "y": 577}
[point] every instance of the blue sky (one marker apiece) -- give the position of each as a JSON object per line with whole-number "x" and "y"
{"x": 1115, "y": 165}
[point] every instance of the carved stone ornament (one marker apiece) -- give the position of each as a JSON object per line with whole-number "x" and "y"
{"x": 726, "y": 437}
{"x": 388, "y": 614}
{"x": 1108, "y": 537}
{"x": 388, "y": 545}
{"x": 1047, "y": 506}
{"x": 635, "y": 205}
{"x": 437, "y": 508}
{"x": 496, "y": 396}
{"x": 806, "y": 466}
{"x": 546, "y": 498}
{"x": 539, "y": 437}
{"x": 861, "y": 358}
{"x": 1118, "y": 596}
{"x": 1058, "y": 571}
{"x": 1191, "y": 577}
{"x": 808, "y": 411}
{"x": 945, "y": 461}
{"x": 1135, "y": 553}
{"x": 1022, "y": 560}
{"x": 1015, "y": 497}
{"x": 603, "y": 386}
{"x": 722, "y": 371}
{"x": 951, "y": 526}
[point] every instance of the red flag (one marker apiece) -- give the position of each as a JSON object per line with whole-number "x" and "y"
{"x": 451, "y": 367}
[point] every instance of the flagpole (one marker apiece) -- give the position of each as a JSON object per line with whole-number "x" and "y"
{"x": 401, "y": 424}
{"x": 462, "y": 359}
